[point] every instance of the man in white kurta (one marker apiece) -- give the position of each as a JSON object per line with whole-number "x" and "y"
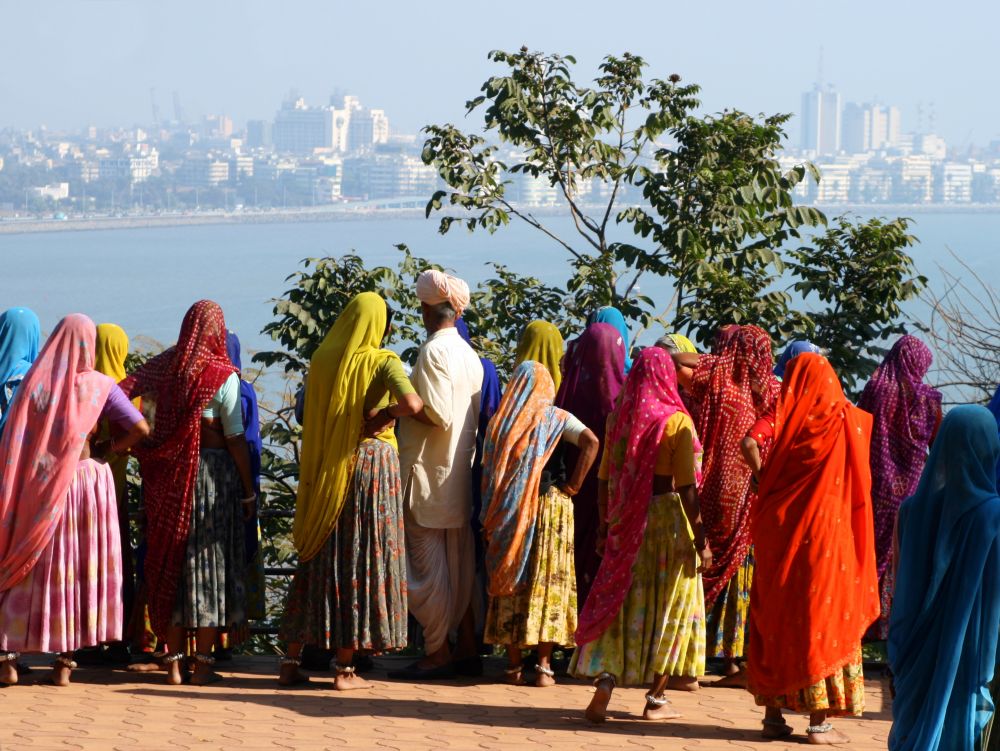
{"x": 436, "y": 452}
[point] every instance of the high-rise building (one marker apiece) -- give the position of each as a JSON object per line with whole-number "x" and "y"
{"x": 258, "y": 134}
{"x": 856, "y": 132}
{"x": 870, "y": 127}
{"x": 299, "y": 129}
{"x": 821, "y": 120}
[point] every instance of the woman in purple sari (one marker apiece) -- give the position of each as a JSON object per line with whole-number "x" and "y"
{"x": 907, "y": 414}
{"x": 593, "y": 374}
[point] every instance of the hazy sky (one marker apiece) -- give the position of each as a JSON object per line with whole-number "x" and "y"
{"x": 67, "y": 63}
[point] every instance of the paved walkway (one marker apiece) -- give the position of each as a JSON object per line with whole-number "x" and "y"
{"x": 117, "y": 710}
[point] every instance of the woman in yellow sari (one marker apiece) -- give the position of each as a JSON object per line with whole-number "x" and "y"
{"x": 349, "y": 592}
{"x": 542, "y": 342}
{"x": 109, "y": 359}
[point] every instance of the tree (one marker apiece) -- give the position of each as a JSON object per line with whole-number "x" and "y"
{"x": 861, "y": 276}
{"x": 964, "y": 328}
{"x": 711, "y": 206}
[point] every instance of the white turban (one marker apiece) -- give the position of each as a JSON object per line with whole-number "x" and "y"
{"x": 436, "y": 287}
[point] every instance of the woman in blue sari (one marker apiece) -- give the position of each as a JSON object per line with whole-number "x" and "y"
{"x": 251, "y": 430}
{"x": 794, "y": 349}
{"x": 20, "y": 337}
{"x": 994, "y": 407}
{"x": 946, "y": 613}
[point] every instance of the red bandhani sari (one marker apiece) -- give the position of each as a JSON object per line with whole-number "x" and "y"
{"x": 182, "y": 381}
{"x": 815, "y": 588}
{"x": 724, "y": 388}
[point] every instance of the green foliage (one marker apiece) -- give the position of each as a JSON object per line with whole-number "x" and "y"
{"x": 704, "y": 195}
{"x": 861, "y": 274}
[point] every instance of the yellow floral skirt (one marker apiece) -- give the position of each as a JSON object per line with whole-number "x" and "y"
{"x": 842, "y": 693}
{"x": 546, "y": 611}
{"x": 728, "y": 618}
{"x": 660, "y": 629}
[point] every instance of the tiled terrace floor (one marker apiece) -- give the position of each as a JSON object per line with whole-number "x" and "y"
{"x": 107, "y": 709}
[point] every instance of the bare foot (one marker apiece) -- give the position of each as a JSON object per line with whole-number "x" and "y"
{"x": 203, "y": 675}
{"x": 514, "y": 677}
{"x": 774, "y": 731}
{"x": 8, "y": 673}
{"x": 147, "y": 667}
{"x": 831, "y": 738}
{"x": 597, "y": 710}
{"x": 660, "y": 712}
{"x": 60, "y": 675}
{"x": 175, "y": 674}
{"x": 349, "y": 682}
{"x": 290, "y": 675}
{"x": 682, "y": 683}
{"x": 543, "y": 680}
{"x": 736, "y": 680}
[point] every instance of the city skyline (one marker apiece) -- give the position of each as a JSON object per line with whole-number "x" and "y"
{"x": 240, "y": 60}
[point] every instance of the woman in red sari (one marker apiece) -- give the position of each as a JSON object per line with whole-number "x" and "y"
{"x": 197, "y": 488}
{"x": 815, "y": 588}
{"x": 730, "y": 391}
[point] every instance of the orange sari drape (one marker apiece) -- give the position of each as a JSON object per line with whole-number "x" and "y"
{"x": 815, "y": 588}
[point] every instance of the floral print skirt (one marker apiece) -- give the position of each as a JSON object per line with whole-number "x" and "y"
{"x": 352, "y": 595}
{"x": 728, "y": 618}
{"x": 842, "y": 693}
{"x": 72, "y": 597}
{"x": 212, "y": 591}
{"x": 546, "y": 611}
{"x": 660, "y": 629}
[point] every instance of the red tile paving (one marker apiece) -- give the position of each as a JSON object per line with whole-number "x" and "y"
{"x": 110, "y": 710}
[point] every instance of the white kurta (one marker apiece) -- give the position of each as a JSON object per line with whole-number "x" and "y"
{"x": 436, "y": 467}
{"x": 435, "y": 461}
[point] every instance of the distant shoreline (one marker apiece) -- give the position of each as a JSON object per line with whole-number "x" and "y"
{"x": 280, "y": 216}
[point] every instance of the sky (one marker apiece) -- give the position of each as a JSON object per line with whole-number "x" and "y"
{"x": 70, "y": 63}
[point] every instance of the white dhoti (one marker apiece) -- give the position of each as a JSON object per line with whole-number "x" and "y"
{"x": 440, "y": 570}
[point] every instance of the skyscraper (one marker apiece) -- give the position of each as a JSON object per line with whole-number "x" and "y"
{"x": 821, "y": 120}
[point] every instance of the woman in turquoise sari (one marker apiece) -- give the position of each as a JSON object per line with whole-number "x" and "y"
{"x": 945, "y": 616}
{"x": 20, "y": 338}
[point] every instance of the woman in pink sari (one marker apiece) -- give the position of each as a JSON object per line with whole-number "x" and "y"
{"x": 644, "y": 619}
{"x": 60, "y": 545}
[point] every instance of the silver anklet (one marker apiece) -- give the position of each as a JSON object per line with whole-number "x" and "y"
{"x": 343, "y": 669}
{"x": 175, "y": 657}
{"x": 64, "y": 662}
{"x": 605, "y": 677}
{"x": 513, "y": 671}
{"x": 545, "y": 671}
{"x": 826, "y": 727}
{"x": 204, "y": 659}
{"x": 660, "y": 701}
{"x": 9, "y": 656}
{"x": 290, "y": 661}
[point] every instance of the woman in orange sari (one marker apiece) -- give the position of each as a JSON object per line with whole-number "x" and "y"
{"x": 815, "y": 591}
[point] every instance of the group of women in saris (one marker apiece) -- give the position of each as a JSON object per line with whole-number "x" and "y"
{"x": 739, "y": 508}
{"x": 66, "y": 580}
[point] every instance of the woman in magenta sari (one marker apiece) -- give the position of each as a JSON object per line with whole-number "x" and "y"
{"x": 907, "y": 414}
{"x": 593, "y": 375}
{"x": 644, "y": 620}
{"x": 60, "y": 545}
